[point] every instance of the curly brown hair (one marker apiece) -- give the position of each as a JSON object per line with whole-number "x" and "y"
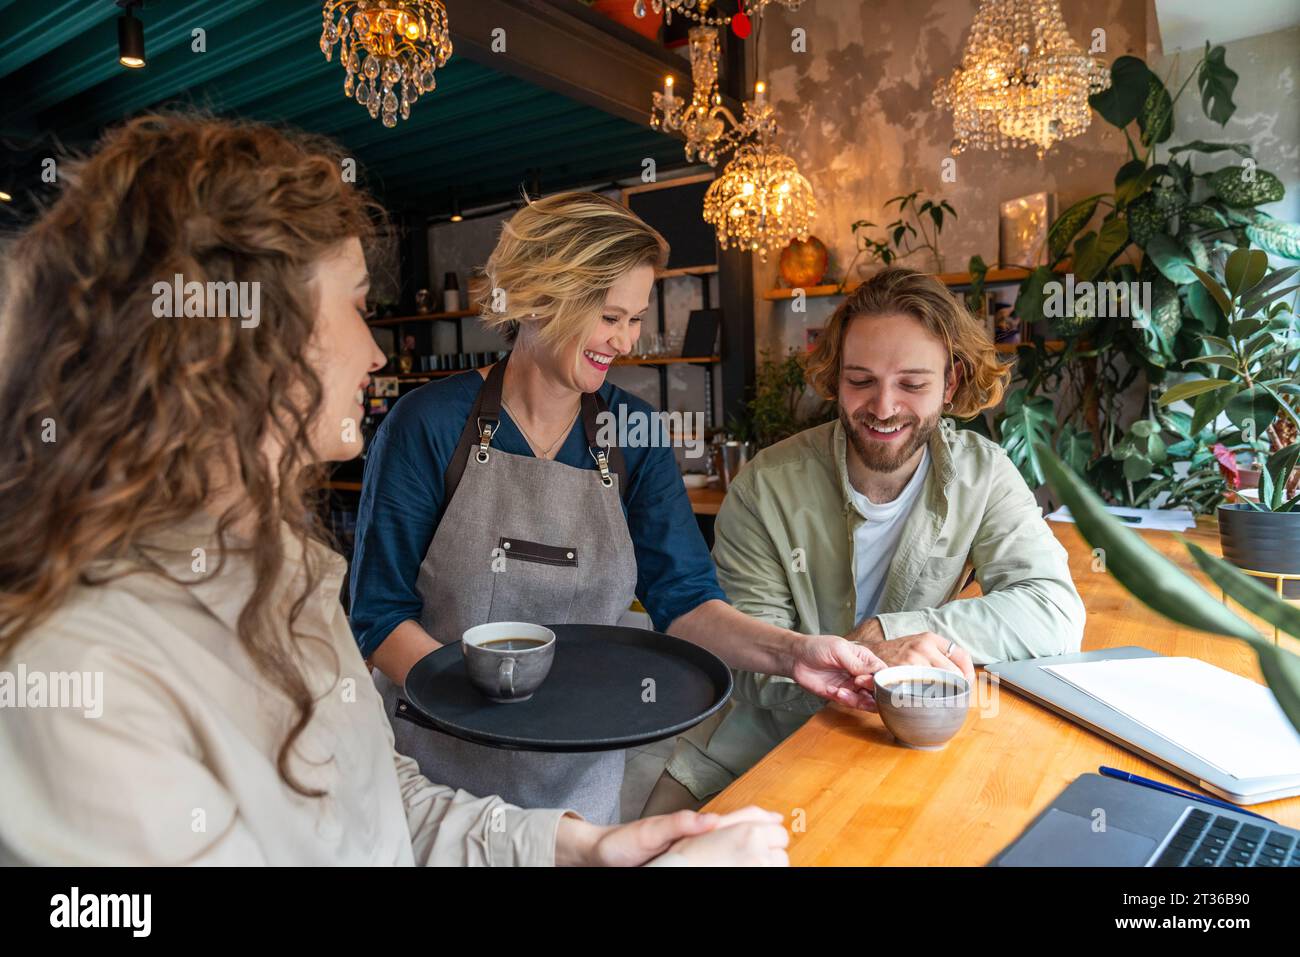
{"x": 983, "y": 376}
{"x": 153, "y": 415}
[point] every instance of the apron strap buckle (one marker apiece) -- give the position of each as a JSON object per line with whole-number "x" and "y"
{"x": 602, "y": 463}
{"x": 486, "y": 428}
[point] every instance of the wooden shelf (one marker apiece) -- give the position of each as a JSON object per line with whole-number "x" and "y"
{"x": 1051, "y": 345}
{"x": 688, "y": 271}
{"x": 668, "y": 360}
{"x": 1014, "y": 274}
{"x": 425, "y": 317}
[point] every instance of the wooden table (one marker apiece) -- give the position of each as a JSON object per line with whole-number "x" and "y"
{"x": 705, "y": 501}
{"x": 862, "y": 799}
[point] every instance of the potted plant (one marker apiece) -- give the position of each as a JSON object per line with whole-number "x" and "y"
{"x": 1172, "y": 205}
{"x": 910, "y": 227}
{"x": 1166, "y": 590}
{"x": 1256, "y": 388}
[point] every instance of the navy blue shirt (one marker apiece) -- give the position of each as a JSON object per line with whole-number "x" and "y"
{"x": 402, "y": 502}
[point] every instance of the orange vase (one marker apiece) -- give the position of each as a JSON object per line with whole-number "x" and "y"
{"x": 803, "y": 264}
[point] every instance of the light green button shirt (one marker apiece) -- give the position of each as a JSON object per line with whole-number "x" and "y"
{"x": 784, "y": 551}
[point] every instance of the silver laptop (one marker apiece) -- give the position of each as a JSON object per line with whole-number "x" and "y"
{"x": 1029, "y": 678}
{"x": 1103, "y": 822}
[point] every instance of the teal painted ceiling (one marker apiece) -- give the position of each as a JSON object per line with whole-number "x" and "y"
{"x": 479, "y": 132}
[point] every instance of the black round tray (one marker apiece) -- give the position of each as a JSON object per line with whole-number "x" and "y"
{"x": 593, "y": 699}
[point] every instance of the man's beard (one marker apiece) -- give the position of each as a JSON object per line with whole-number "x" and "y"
{"x": 881, "y": 456}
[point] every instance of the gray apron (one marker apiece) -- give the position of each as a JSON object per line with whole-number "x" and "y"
{"x": 522, "y": 539}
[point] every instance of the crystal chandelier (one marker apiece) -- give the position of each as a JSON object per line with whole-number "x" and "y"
{"x": 708, "y": 126}
{"x": 1022, "y": 80}
{"x": 761, "y": 201}
{"x": 393, "y": 46}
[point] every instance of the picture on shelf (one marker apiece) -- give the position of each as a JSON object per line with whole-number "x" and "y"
{"x": 1022, "y": 230}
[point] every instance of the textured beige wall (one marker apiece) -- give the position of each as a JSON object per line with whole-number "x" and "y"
{"x": 855, "y": 112}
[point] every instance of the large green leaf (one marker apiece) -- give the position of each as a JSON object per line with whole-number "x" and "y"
{"x": 1217, "y": 83}
{"x": 1194, "y": 387}
{"x": 1281, "y": 668}
{"x": 1245, "y": 268}
{"x": 1068, "y": 224}
{"x": 1144, "y": 219}
{"x": 1277, "y": 237}
{"x": 1171, "y": 259}
{"x": 1026, "y": 423}
{"x": 1156, "y": 121}
{"x": 1217, "y": 292}
{"x": 1120, "y": 104}
{"x": 1245, "y": 186}
{"x": 1029, "y": 301}
{"x": 1092, "y": 256}
{"x": 1075, "y": 447}
{"x": 1255, "y": 406}
{"x": 1142, "y": 570}
{"x": 1207, "y": 407}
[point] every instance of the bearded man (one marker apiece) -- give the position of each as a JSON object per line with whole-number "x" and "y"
{"x": 869, "y": 526}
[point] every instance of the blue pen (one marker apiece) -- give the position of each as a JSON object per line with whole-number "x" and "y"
{"x": 1169, "y": 789}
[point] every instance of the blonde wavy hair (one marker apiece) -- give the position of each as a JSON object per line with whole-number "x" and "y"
{"x": 982, "y": 375}
{"x": 557, "y": 258}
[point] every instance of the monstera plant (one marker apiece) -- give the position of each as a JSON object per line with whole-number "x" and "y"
{"x": 1169, "y": 209}
{"x": 1163, "y": 587}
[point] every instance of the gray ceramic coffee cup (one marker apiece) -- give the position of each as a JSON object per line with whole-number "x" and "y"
{"x": 924, "y": 720}
{"x": 508, "y": 660}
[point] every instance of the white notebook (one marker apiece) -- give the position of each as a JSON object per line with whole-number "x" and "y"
{"x": 1227, "y": 721}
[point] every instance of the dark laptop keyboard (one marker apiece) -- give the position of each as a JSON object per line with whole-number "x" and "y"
{"x": 1215, "y": 840}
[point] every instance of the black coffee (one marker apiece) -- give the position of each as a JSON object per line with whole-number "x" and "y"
{"x": 925, "y": 688}
{"x": 512, "y": 644}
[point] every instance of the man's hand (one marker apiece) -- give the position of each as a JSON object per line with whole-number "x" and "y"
{"x": 926, "y": 648}
{"x": 835, "y": 669}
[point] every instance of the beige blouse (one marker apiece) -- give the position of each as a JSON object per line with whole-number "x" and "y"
{"x": 179, "y": 765}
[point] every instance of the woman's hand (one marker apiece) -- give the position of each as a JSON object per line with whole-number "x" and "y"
{"x": 833, "y": 668}
{"x": 752, "y": 839}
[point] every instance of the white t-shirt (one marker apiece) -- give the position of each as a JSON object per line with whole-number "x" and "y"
{"x": 876, "y": 539}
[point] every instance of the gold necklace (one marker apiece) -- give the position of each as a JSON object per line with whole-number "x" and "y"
{"x": 533, "y": 442}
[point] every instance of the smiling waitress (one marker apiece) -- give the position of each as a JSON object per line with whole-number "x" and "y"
{"x": 590, "y": 528}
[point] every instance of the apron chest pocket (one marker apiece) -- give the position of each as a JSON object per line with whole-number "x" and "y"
{"x": 533, "y": 581}
{"x": 524, "y": 551}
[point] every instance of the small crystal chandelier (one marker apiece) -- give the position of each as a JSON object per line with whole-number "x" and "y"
{"x": 1022, "y": 80}
{"x": 393, "y": 45}
{"x": 761, "y": 201}
{"x": 704, "y": 120}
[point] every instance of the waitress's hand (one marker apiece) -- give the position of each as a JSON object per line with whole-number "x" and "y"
{"x": 829, "y": 666}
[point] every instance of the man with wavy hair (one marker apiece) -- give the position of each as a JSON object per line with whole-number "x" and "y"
{"x": 867, "y": 526}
